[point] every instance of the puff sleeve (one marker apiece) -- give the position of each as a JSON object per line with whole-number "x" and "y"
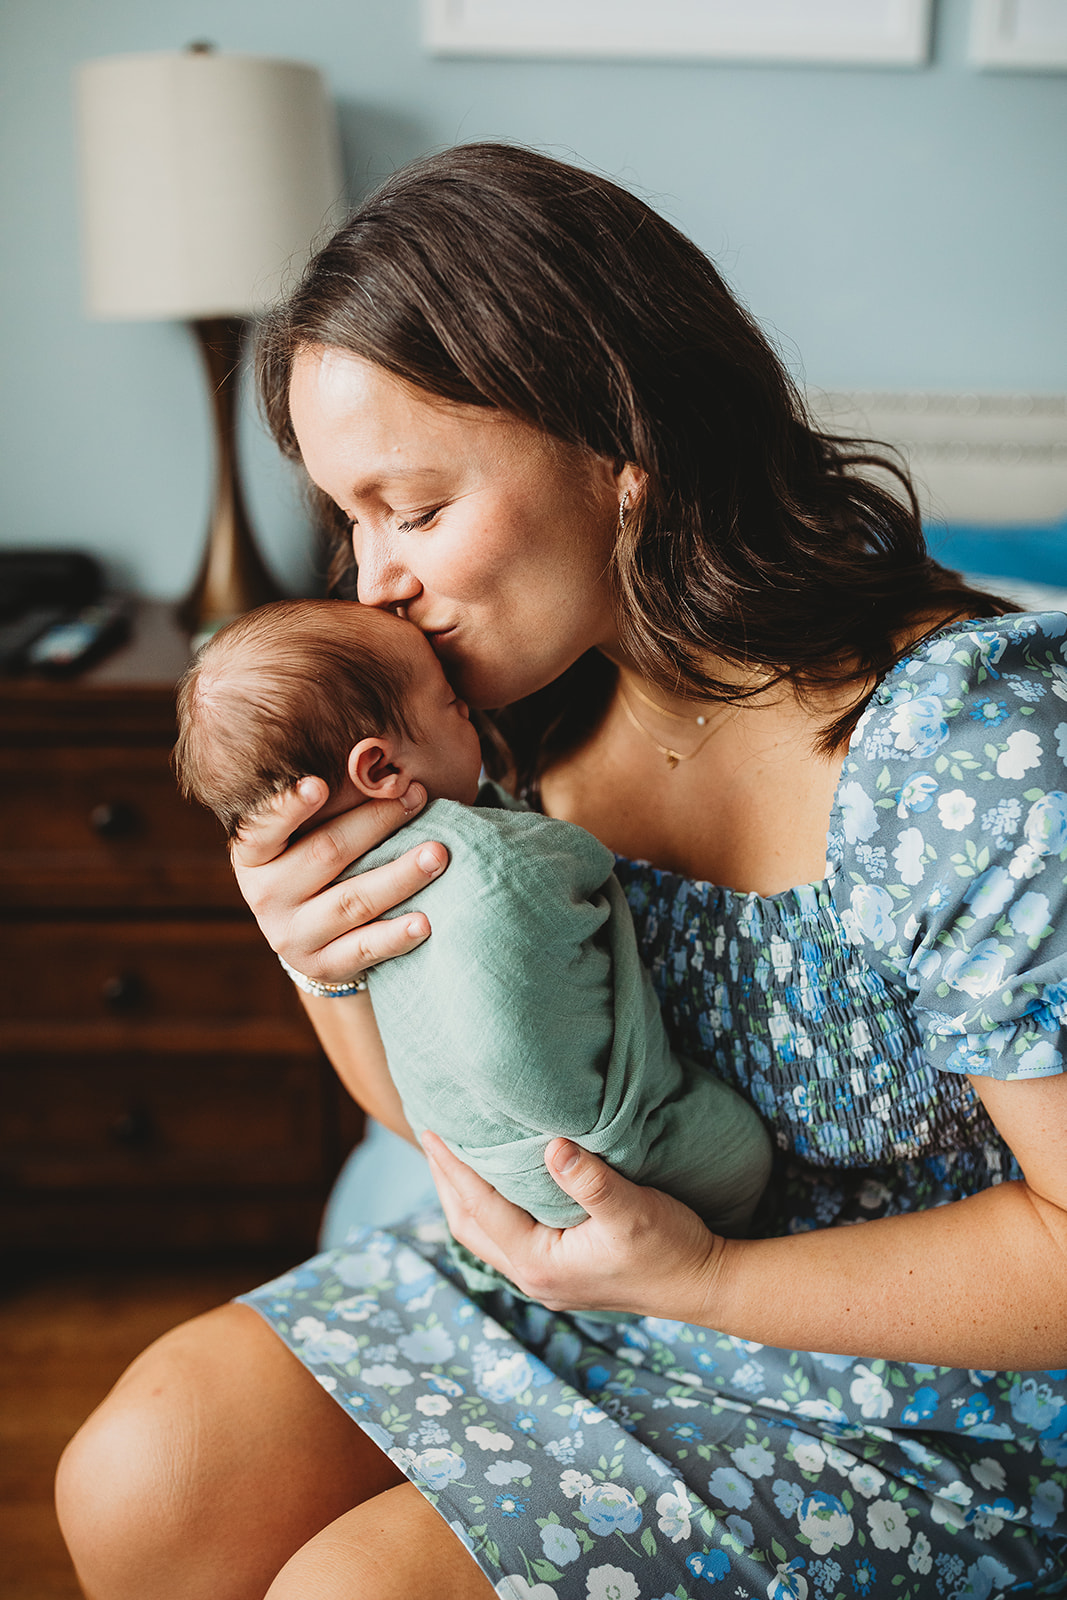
{"x": 948, "y": 847}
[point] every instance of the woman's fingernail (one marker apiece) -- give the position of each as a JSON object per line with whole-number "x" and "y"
{"x": 414, "y": 797}
{"x": 430, "y": 863}
{"x": 307, "y": 788}
{"x": 415, "y": 929}
{"x": 566, "y": 1158}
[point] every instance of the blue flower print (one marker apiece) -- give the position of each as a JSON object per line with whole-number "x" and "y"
{"x": 709, "y": 1564}
{"x": 609, "y": 1508}
{"x": 742, "y": 1531}
{"x": 787, "y": 1496}
{"x": 731, "y": 1488}
{"x": 871, "y": 914}
{"x": 1029, "y": 915}
{"x": 437, "y": 1468}
{"x": 916, "y": 795}
{"x": 923, "y": 1404}
{"x": 1034, "y": 1405}
{"x": 788, "y": 1582}
{"x": 990, "y": 892}
{"x": 560, "y": 1544}
{"x": 990, "y": 712}
{"x": 986, "y": 1575}
{"x": 976, "y": 1410}
{"x": 1045, "y": 829}
{"x": 510, "y": 1505}
{"x": 863, "y": 1577}
{"x": 919, "y": 726}
{"x": 1002, "y": 820}
{"x": 1026, "y": 689}
{"x": 1046, "y": 1504}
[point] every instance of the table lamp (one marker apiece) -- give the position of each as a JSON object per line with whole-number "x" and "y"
{"x": 205, "y": 179}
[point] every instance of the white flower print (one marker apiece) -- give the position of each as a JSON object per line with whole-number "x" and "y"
{"x": 1061, "y": 740}
{"x": 870, "y": 1393}
{"x": 754, "y": 1460}
{"x": 866, "y": 1479}
{"x": 956, "y": 810}
{"x": 919, "y": 726}
{"x": 888, "y": 1523}
{"x": 674, "y": 1511}
{"x": 989, "y": 1473}
{"x": 573, "y": 1484}
{"x": 858, "y": 816}
{"x": 487, "y": 1439}
{"x": 515, "y": 1588}
{"x": 824, "y": 1520}
{"x": 611, "y": 1583}
{"x": 1023, "y": 752}
{"x": 908, "y": 856}
{"x": 386, "y": 1376}
{"x": 978, "y": 972}
{"x": 920, "y": 1558}
{"x": 807, "y": 1453}
{"x": 433, "y": 1405}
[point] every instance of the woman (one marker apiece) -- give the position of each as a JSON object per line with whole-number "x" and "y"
{"x": 551, "y": 439}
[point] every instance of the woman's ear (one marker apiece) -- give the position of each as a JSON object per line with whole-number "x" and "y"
{"x": 378, "y": 768}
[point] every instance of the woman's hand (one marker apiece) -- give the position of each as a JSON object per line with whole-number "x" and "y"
{"x": 327, "y": 931}
{"x": 638, "y": 1251}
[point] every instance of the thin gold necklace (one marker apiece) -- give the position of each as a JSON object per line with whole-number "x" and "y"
{"x": 672, "y": 756}
{"x": 675, "y": 716}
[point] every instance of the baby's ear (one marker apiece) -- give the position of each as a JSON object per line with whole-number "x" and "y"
{"x": 375, "y": 768}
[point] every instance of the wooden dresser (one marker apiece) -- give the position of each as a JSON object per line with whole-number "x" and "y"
{"x": 160, "y": 1088}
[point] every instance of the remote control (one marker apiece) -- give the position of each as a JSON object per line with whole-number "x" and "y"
{"x": 70, "y": 646}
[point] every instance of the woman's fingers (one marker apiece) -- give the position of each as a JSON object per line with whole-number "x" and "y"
{"x": 263, "y": 837}
{"x": 478, "y": 1216}
{"x": 598, "y": 1188}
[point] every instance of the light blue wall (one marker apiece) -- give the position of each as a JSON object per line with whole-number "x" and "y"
{"x": 891, "y": 228}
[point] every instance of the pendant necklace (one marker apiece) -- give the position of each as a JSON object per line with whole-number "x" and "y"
{"x": 671, "y": 755}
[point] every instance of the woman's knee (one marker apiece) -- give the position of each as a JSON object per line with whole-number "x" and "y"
{"x": 214, "y": 1458}
{"x": 389, "y": 1548}
{"x": 127, "y": 1485}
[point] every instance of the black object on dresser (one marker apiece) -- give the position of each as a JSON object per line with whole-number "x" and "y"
{"x": 161, "y": 1090}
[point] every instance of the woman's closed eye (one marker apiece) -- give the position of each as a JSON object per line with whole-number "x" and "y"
{"x": 415, "y": 523}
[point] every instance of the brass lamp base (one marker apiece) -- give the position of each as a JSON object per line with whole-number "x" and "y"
{"x": 233, "y": 576}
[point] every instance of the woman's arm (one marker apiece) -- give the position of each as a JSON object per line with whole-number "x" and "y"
{"x": 978, "y": 1283}
{"x": 330, "y": 931}
{"x": 349, "y": 1035}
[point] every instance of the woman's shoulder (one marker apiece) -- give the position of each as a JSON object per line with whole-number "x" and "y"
{"x": 986, "y": 683}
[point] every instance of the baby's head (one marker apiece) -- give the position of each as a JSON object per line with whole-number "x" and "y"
{"x": 320, "y": 688}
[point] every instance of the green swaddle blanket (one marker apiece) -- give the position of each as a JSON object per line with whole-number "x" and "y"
{"x": 528, "y": 1013}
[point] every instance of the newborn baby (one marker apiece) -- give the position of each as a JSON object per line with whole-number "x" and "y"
{"x": 527, "y": 1014}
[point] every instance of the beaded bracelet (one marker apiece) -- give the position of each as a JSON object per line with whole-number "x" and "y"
{"x": 325, "y": 991}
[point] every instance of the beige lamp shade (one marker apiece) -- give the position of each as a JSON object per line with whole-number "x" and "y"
{"x": 205, "y": 179}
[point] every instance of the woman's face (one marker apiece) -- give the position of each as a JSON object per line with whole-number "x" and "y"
{"x": 492, "y": 538}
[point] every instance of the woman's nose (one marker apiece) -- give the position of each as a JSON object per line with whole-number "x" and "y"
{"x": 380, "y": 579}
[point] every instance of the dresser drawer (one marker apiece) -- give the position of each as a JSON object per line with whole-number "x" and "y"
{"x": 105, "y": 827}
{"x": 141, "y": 972}
{"x": 143, "y": 1121}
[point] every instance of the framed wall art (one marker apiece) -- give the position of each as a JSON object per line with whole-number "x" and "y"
{"x": 847, "y": 32}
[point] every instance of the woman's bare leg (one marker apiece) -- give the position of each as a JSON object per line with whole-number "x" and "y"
{"x": 394, "y": 1547}
{"x": 215, "y": 1457}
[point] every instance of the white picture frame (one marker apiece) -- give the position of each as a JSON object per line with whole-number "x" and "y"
{"x": 842, "y": 32}
{"x": 1018, "y": 35}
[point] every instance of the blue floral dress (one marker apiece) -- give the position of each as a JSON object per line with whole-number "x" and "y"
{"x": 650, "y": 1459}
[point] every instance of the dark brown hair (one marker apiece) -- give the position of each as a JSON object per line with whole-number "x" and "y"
{"x": 283, "y": 693}
{"x": 494, "y": 276}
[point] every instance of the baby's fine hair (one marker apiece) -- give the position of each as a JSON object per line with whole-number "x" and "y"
{"x": 283, "y": 693}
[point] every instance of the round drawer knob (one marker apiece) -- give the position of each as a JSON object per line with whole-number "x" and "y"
{"x": 124, "y": 992}
{"x": 134, "y": 1129}
{"x": 114, "y": 819}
